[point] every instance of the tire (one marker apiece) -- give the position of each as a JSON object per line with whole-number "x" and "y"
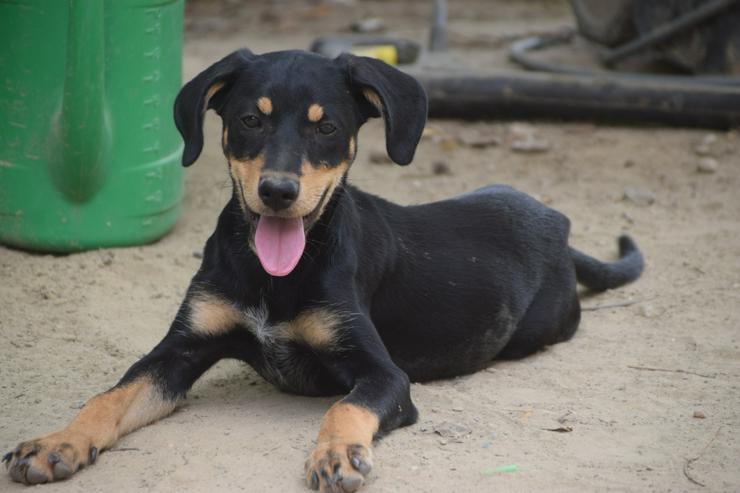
{"x": 608, "y": 22}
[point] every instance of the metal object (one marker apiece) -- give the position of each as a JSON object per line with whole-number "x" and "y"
{"x": 438, "y": 40}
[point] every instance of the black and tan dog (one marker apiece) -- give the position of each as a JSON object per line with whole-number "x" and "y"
{"x": 328, "y": 290}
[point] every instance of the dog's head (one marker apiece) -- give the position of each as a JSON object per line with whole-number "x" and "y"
{"x": 290, "y": 122}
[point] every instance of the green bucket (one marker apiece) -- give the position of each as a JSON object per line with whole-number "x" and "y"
{"x": 89, "y": 154}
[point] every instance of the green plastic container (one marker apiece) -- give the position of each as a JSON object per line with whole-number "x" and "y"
{"x": 89, "y": 154}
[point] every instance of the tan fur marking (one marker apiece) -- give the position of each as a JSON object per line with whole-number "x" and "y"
{"x": 346, "y": 433}
{"x": 374, "y": 99}
{"x": 352, "y": 148}
{"x": 316, "y": 328}
{"x": 265, "y": 105}
{"x": 315, "y": 112}
{"x": 209, "y": 94}
{"x": 100, "y": 423}
{"x": 212, "y": 315}
{"x": 247, "y": 174}
{"x": 225, "y": 139}
{"x": 314, "y": 180}
{"x": 348, "y": 424}
{"x": 121, "y": 410}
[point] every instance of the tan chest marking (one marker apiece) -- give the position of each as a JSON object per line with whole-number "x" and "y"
{"x": 316, "y": 327}
{"x": 212, "y": 315}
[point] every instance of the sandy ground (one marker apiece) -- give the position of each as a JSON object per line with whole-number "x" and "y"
{"x": 612, "y": 410}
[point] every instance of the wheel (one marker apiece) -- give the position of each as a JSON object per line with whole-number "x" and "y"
{"x": 608, "y": 22}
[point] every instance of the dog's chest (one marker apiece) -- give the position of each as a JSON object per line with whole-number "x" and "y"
{"x": 289, "y": 348}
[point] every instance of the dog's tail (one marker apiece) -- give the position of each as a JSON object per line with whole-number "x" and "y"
{"x": 600, "y": 276}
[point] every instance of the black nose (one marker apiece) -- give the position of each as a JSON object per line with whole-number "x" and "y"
{"x": 278, "y": 193}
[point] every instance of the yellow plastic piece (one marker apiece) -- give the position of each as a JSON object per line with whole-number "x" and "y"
{"x": 386, "y": 53}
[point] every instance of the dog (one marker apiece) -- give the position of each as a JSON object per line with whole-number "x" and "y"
{"x": 324, "y": 289}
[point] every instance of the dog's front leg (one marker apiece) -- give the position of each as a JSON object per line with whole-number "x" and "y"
{"x": 379, "y": 402}
{"x": 149, "y": 390}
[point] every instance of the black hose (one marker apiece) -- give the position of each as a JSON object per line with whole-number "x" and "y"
{"x": 519, "y": 53}
{"x": 667, "y": 30}
{"x": 573, "y": 97}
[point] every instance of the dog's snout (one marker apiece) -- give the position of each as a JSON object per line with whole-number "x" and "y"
{"x": 278, "y": 193}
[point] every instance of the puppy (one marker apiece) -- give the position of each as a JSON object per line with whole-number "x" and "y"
{"x": 324, "y": 289}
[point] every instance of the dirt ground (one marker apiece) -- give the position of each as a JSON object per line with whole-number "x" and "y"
{"x": 615, "y": 409}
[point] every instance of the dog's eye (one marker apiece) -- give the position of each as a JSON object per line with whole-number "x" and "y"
{"x": 251, "y": 121}
{"x": 326, "y": 128}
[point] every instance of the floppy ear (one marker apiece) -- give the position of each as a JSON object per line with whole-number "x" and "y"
{"x": 398, "y": 97}
{"x": 196, "y": 97}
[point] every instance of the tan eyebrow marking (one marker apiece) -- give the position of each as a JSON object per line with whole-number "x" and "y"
{"x": 265, "y": 105}
{"x": 315, "y": 112}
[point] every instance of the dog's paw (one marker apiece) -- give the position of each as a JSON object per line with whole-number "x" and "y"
{"x": 338, "y": 468}
{"x": 50, "y": 458}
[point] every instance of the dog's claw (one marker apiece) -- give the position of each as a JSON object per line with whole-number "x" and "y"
{"x": 314, "y": 481}
{"x": 93, "y": 454}
{"x": 53, "y": 458}
{"x": 7, "y": 457}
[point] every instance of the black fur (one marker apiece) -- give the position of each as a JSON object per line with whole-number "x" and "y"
{"x": 424, "y": 292}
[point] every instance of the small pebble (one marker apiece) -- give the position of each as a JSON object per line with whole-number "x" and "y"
{"x": 707, "y": 165}
{"x": 455, "y": 432}
{"x": 699, "y": 414}
{"x": 647, "y": 310}
{"x": 530, "y": 145}
{"x": 524, "y": 138}
{"x": 639, "y": 196}
{"x": 448, "y": 144}
{"x": 198, "y": 254}
{"x": 431, "y": 132}
{"x": 370, "y": 25}
{"x": 478, "y": 140}
{"x": 441, "y": 168}
{"x": 704, "y": 148}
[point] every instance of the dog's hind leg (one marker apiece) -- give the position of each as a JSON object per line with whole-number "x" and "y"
{"x": 553, "y": 317}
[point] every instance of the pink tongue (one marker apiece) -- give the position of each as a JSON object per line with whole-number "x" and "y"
{"x": 279, "y": 243}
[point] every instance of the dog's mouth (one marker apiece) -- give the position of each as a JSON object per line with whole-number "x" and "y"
{"x": 279, "y": 241}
